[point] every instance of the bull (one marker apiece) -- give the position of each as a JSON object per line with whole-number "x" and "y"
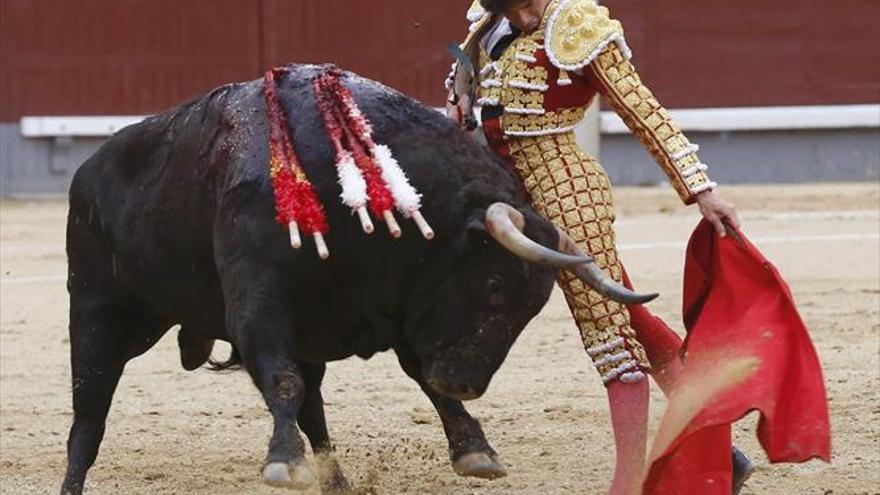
{"x": 171, "y": 222}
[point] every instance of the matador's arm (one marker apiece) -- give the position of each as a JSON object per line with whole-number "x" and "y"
{"x": 582, "y": 37}
{"x": 616, "y": 78}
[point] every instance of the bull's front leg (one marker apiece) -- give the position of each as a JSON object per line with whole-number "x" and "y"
{"x": 469, "y": 451}
{"x": 314, "y": 424}
{"x": 261, "y": 321}
{"x": 283, "y": 388}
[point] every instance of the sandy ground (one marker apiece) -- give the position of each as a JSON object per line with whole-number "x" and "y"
{"x": 172, "y": 432}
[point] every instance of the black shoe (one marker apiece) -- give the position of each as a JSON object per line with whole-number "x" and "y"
{"x": 742, "y": 469}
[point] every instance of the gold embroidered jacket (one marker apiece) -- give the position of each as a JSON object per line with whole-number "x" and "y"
{"x": 545, "y": 80}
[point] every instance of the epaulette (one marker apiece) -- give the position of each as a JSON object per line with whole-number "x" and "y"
{"x": 578, "y": 31}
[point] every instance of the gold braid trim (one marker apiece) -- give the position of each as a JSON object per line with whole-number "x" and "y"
{"x": 651, "y": 124}
{"x": 558, "y": 122}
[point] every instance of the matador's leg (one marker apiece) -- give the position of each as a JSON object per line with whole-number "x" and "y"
{"x": 572, "y": 190}
{"x": 662, "y": 345}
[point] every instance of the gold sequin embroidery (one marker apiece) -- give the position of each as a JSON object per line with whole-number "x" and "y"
{"x": 649, "y": 121}
{"x": 571, "y": 189}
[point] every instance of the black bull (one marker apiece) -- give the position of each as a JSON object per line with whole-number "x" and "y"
{"x": 172, "y": 222}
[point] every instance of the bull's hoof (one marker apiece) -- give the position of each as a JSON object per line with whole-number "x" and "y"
{"x": 333, "y": 482}
{"x": 295, "y": 475}
{"x": 480, "y": 465}
{"x": 71, "y": 489}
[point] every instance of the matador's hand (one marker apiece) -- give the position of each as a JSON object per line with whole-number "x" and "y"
{"x": 457, "y": 112}
{"x": 717, "y": 211}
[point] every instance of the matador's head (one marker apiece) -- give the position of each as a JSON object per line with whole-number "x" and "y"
{"x": 525, "y": 15}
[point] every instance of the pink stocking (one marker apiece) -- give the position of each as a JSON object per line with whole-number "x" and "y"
{"x": 629, "y": 418}
{"x": 629, "y": 402}
{"x": 661, "y": 344}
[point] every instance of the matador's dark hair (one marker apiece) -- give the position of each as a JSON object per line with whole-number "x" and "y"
{"x": 498, "y": 6}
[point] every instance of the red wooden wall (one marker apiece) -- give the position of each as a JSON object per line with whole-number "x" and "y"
{"x": 120, "y": 56}
{"x": 705, "y": 53}
{"x": 106, "y": 57}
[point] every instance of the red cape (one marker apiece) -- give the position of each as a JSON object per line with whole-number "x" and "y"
{"x": 747, "y": 349}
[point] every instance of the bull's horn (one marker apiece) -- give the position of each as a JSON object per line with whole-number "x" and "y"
{"x": 591, "y": 275}
{"x": 504, "y": 223}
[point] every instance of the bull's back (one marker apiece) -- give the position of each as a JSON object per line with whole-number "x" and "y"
{"x": 148, "y": 198}
{"x": 165, "y": 196}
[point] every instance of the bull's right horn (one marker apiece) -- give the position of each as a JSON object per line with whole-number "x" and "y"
{"x": 504, "y": 223}
{"x": 593, "y": 276}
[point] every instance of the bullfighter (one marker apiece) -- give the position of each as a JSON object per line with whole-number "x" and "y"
{"x": 538, "y": 65}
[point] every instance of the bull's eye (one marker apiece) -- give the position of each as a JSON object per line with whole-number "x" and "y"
{"x": 496, "y": 290}
{"x": 494, "y": 284}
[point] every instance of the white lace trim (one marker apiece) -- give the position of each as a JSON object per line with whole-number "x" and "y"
{"x": 542, "y": 132}
{"x": 685, "y": 152}
{"x": 488, "y": 101}
{"x": 525, "y": 111}
{"x": 700, "y": 167}
{"x": 633, "y": 377}
{"x": 563, "y": 82}
{"x": 491, "y": 83}
{"x": 450, "y": 78}
{"x": 604, "y": 348}
{"x": 612, "y": 38}
{"x": 614, "y": 373}
{"x": 703, "y": 187}
{"x": 613, "y": 358}
{"x": 526, "y": 58}
{"x": 476, "y": 13}
{"x": 526, "y": 85}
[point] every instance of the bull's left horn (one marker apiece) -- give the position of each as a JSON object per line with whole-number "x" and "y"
{"x": 504, "y": 223}
{"x": 591, "y": 275}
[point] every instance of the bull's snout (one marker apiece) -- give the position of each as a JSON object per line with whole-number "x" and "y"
{"x": 445, "y": 383}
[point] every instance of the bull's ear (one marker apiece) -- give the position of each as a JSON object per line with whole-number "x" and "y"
{"x": 474, "y": 233}
{"x": 476, "y": 221}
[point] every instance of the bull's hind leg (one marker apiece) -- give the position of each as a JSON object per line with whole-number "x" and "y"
{"x": 469, "y": 450}
{"x": 106, "y": 331}
{"x": 97, "y": 360}
{"x": 261, "y": 321}
{"x": 314, "y": 424}
{"x": 104, "y": 335}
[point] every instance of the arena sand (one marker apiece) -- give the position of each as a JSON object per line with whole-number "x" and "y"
{"x": 172, "y": 432}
